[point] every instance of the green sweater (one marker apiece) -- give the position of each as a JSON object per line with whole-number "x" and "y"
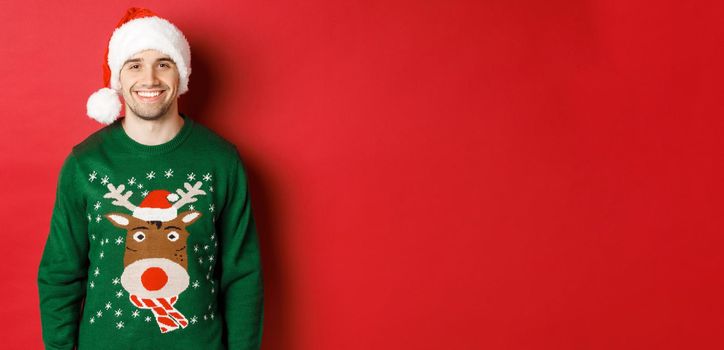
{"x": 152, "y": 247}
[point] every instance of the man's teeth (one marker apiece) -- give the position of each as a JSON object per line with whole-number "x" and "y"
{"x": 149, "y": 94}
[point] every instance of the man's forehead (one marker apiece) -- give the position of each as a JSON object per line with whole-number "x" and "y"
{"x": 153, "y": 55}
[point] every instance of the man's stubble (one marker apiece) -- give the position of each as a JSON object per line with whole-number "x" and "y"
{"x": 147, "y": 113}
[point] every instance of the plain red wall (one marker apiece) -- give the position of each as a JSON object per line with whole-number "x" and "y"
{"x": 425, "y": 174}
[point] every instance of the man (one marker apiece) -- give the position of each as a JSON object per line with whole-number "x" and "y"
{"x": 152, "y": 240}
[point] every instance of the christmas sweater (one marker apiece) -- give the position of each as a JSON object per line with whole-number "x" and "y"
{"x": 152, "y": 247}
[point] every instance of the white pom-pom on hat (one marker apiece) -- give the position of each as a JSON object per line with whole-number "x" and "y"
{"x": 172, "y": 197}
{"x": 104, "y": 105}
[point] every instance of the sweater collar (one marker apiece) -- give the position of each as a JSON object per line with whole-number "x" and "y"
{"x": 119, "y": 136}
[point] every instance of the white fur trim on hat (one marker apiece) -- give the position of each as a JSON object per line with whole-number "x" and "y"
{"x": 155, "y": 214}
{"x": 104, "y": 105}
{"x": 149, "y": 33}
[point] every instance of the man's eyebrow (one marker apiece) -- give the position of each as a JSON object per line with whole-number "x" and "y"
{"x": 162, "y": 59}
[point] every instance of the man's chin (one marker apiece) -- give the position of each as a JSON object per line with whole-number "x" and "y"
{"x": 150, "y": 115}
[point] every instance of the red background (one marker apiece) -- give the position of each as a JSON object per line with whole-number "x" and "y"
{"x": 425, "y": 174}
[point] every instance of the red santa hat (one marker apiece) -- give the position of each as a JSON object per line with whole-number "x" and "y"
{"x": 157, "y": 207}
{"x": 139, "y": 30}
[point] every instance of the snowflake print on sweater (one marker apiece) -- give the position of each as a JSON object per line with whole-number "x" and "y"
{"x": 155, "y": 258}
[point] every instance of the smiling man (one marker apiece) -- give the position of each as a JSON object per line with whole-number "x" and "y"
{"x": 152, "y": 241}
{"x": 149, "y": 81}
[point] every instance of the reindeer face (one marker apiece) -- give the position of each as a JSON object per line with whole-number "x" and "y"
{"x": 155, "y": 260}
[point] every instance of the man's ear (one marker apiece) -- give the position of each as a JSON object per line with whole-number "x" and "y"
{"x": 119, "y": 219}
{"x": 188, "y": 217}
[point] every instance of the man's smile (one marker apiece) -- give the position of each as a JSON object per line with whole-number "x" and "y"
{"x": 149, "y": 96}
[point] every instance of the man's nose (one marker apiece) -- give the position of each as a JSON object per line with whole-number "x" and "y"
{"x": 150, "y": 77}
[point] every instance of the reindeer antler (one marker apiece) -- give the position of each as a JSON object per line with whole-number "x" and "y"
{"x": 120, "y": 198}
{"x": 188, "y": 197}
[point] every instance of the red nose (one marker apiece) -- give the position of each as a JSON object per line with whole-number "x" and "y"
{"x": 154, "y": 278}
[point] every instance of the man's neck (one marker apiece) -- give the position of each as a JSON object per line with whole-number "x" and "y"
{"x": 152, "y": 132}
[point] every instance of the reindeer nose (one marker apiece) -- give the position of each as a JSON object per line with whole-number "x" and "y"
{"x": 154, "y": 278}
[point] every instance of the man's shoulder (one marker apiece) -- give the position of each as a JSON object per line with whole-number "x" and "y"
{"x": 214, "y": 141}
{"x": 91, "y": 143}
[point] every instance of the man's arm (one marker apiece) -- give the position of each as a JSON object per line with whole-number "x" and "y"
{"x": 63, "y": 267}
{"x": 242, "y": 291}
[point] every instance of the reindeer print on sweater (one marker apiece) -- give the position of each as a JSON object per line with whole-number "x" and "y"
{"x": 154, "y": 236}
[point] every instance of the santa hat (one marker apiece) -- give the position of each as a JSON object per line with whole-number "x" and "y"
{"x": 156, "y": 206}
{"x": 139, "y": 30}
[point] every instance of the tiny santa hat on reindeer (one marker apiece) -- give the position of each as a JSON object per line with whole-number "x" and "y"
{"x": 156, "y": 206}
{"x": 139, "y": 30}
